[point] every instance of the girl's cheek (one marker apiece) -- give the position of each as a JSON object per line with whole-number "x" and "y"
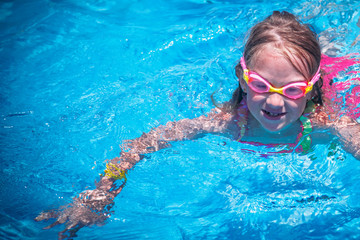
{"x": 297, "y": 105}
{"x": 251, "y": 95}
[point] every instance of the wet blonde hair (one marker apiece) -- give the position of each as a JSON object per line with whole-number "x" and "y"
{"x": 296, "y": 41}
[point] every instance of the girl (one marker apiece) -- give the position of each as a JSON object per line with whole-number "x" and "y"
{"x": 279, "y": 98}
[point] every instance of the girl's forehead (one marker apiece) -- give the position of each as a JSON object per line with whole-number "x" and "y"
{"x": 277, "y": 58}
{"x": 275, "y": 67}
{"x": 267, "y": 52}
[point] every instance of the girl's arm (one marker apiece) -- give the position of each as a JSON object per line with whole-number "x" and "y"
{"x": 346, "y": 128}
{"x": 348, "y": 131}
{"x": 93, "y": 206}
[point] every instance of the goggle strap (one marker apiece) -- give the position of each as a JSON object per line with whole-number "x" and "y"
{"x": 243, "y": 64}
{"x": 313, "y": 81}
{"x": 316, "y": 76}
{"x": 245, "y": 70}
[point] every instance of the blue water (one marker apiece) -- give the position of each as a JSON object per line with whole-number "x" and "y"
{"x": 80, "y": 77}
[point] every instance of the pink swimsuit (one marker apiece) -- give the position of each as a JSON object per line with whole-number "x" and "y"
{"x": 348, "y": 103}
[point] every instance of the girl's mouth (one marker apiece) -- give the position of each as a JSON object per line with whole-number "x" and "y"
{"x": 273, "y": 115}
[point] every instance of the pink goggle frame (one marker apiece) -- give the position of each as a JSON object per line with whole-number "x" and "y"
{"x": 294, "y": 90}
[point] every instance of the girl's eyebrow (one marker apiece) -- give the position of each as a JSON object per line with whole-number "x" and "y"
{"x": 254, "y": 72}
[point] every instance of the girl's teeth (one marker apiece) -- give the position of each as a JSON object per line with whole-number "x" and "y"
{"x": 273, "y": 114}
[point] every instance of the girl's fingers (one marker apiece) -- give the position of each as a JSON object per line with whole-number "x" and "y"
{"x": 52, "y": 225}
{"x": 118, "y": 190}
{"x": 47, "y": 215}
{"x": 71, "y": 228}
{"x": 74, "y": 228}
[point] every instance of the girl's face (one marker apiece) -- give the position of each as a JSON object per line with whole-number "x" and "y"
{"x": 274, "y": 111}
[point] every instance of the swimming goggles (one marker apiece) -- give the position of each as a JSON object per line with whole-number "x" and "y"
{"x": 294, "y": 90}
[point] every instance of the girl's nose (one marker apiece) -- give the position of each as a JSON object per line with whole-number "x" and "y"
{"x": 275, "y": 100}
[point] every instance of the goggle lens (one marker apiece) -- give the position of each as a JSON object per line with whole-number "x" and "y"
{"x": 258, "y": 86}
{"x": 294, "y": 92}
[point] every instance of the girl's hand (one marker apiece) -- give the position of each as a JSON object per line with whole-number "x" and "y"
{"x": 91, "y": 207}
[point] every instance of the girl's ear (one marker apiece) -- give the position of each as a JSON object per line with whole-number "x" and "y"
{"x": 239, "y": 74}
{"x": 310, "y": 95}
{"x": 242, "y": 84}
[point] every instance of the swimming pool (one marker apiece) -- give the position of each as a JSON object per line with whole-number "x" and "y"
{"x": 80, "y": 77}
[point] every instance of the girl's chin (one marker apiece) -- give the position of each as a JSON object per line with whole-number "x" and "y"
{"x": 275, "y": 128}
{"x": 281, "y": 128}
{"x": 272, "y": 129}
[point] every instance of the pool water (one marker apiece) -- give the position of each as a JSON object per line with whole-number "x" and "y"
{"x": 78, "y": 78}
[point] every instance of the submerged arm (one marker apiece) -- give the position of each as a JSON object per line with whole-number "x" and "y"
{"x": 348, "y": 131}
{"x": 159, "y": 138}
{"x": 93, "y": 206}
{"x": 346, "y": 128}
